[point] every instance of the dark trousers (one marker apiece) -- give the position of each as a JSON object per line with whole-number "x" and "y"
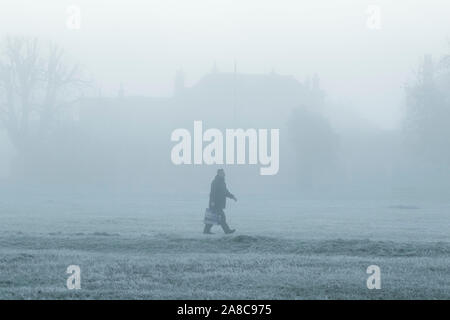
{"x": 223, "y": 221}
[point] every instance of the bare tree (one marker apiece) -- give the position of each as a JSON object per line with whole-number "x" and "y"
{"x": 35, "y": 86}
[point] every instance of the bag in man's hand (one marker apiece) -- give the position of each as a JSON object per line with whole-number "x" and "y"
{"x": 211, "y": 217}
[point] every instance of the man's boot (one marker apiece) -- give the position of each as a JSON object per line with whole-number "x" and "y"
{"x": 226, "y": 228}
{"x": 207, "y": 229}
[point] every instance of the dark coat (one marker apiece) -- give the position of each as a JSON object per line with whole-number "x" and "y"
{"x": 219, "y": 193}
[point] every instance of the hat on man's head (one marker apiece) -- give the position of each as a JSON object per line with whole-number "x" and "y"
{"x": 220, "y": 171}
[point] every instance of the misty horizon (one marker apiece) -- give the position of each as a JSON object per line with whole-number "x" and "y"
{"x": 352, "y": 101}
{"x": 142, "y": 47}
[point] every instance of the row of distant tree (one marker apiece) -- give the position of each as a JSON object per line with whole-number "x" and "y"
{"x": 419, "y": 151}
{"x": 38, "y": 84}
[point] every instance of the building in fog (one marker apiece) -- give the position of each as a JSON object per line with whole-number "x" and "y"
{"x": 128, "y": 137}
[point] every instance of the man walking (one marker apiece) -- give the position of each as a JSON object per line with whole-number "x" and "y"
{"x": 217, "y": 201}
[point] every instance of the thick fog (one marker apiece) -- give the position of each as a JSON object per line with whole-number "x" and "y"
{"x": 360, "y": 97}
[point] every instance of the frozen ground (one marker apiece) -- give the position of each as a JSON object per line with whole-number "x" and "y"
{"x": 135, "y": 244}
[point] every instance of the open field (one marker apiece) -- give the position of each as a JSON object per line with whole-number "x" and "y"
{"x": 235, "y": 267}
{"x": 136, "y": 247}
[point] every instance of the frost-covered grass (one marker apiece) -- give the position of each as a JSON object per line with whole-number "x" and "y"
{"x": 228, "y": 267}
{"x": 133, "y": 245}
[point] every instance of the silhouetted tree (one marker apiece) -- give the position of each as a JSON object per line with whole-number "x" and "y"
{"x": 427, "y": 112}
{"x": 35, "y": 86}
{"x": 315, "y": 144}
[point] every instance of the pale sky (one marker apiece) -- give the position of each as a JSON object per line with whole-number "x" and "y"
{"x": 143, "y": 43}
